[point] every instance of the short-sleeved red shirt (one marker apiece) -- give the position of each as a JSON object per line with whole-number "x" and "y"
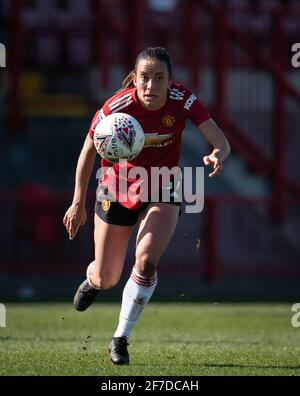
{"x": 163, "y": 130}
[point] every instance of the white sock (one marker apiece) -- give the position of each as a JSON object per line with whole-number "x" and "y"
{"x": 136, "y": 294}
{"x": 88, "y": 275}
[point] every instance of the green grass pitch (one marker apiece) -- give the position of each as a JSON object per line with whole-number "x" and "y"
{"x": 170, "y": 339}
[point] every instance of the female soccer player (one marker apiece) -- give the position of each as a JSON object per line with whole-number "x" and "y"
{"x": 162, "y": 107}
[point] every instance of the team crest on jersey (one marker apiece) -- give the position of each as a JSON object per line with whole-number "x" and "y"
{"x": 126, "y": 133}
{"x": 168, "y": 121}
{"x": 105, "y": 205}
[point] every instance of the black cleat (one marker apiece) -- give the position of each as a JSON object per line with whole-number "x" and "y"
{"x": 84, "y": 296}
{"x": 117, "y": 349}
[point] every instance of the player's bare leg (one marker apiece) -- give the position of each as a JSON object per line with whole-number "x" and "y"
{"x": 157, "y": 224}
{"x": 156, "y": 228}
{"x": 110, "y": 249}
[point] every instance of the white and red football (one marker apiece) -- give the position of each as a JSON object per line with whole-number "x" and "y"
{"x": 119, "y": 136}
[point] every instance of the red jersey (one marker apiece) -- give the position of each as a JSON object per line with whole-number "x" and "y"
{"x": 163, "y": 129}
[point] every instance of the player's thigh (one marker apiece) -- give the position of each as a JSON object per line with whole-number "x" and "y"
{"x": 157, "y": 224}
{"x": 110, "y": 249}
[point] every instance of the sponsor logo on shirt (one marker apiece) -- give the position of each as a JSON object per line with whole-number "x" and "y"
{"x": 168, "y": 121}
{"x": 188, "y": 104}
{"x": 158, "y": 140}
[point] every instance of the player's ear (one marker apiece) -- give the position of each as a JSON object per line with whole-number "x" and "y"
{"x": 170, "y": 83}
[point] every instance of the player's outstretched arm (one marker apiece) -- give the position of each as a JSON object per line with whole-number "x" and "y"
{"x": 76, "y": 214}
{"x": 221, "y": 147}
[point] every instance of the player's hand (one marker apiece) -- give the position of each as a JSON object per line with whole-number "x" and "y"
{"x": 75, "y": 216}
{"x": 215, "y": 162}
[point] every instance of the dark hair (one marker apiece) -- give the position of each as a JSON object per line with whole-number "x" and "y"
{"x": 158, "y": 53}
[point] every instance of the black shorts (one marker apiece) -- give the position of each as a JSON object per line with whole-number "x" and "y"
{"x": 115, "y": 213}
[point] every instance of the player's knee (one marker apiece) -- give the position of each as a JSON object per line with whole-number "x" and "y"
{"x": 103, "y": 283}
{"x": 145, "y": 265}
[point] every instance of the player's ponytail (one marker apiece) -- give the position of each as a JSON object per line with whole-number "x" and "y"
{"x": 128, "y": 81}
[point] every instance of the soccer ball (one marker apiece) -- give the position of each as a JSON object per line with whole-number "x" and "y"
{"x": 119, "y": 136}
